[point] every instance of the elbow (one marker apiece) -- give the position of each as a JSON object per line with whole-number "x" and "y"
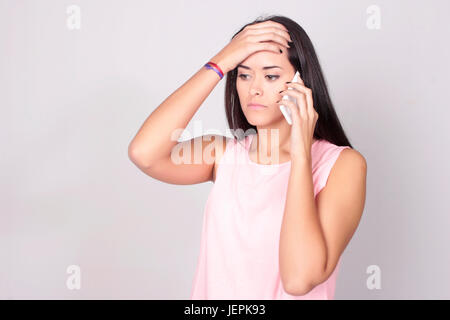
{"x": 132, "y": 154}
{"x": 301, "y": 283}
{"x": 135, "y": 157}
{"x": 298, "y": 289}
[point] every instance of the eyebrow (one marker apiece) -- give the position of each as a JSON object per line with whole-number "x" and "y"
{"x": 264, "y": 68}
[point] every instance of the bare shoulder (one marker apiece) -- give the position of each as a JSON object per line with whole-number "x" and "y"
{"x": 350, "y": 163}
{"x": 351, "y": 158}
{"x": 349, "y": 170}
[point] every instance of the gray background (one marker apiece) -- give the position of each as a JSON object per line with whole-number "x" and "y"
{"x": 72, "y": 100}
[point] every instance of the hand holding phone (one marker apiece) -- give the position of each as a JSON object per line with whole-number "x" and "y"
{"x": 284, "y": 109}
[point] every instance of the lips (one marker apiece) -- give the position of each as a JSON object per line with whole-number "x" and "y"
{"x": 256, "y": 106}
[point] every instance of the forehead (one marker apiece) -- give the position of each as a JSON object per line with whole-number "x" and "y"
{"x": 260, "y": 59}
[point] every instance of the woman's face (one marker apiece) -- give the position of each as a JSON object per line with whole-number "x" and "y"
{"x": 254, "y": 84}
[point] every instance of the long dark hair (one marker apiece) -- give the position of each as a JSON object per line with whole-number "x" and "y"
{"x": 303, "y": 58}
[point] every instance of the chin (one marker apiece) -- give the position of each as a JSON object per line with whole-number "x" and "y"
{"x": 254, "y": 121}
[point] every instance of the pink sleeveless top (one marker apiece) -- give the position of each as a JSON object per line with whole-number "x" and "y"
{"x": 242, "y": 223}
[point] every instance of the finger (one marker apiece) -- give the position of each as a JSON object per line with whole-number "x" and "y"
{"x": 271, "y": 27}
{"x": 293, "y": 108}
{"x": 269, "y": 36}
{"x": 300, "y": 98}
{"x": 280, "y": 32}
{"x": 302, "y": 107}
{"x": 263, "y": 46}
{"x": 265, "y": 24}
{"x": 288, "y": 103}
{"x": 307, "y": 92}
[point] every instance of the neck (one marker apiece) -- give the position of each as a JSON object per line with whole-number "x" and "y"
{"x": 273, "y": 139}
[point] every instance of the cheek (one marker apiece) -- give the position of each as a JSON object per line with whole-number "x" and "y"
{"x": 239, "y": 86}
{"x": 241, "y": 91}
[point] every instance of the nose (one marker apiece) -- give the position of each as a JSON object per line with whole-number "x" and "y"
{"x": 254, "y": 92}
{"x": 254, "y": 89}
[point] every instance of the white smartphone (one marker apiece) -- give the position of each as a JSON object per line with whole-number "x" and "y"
{"x": 285, "y": 110}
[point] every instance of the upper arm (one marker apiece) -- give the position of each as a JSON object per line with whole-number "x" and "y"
{"x": 340, "y": 205}
{"x": 190, "y": 162}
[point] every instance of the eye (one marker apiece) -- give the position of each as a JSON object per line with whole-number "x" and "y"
{"x": 271, "y": 77}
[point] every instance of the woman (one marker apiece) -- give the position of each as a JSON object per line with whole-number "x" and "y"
{"x": 276, "y": 228}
